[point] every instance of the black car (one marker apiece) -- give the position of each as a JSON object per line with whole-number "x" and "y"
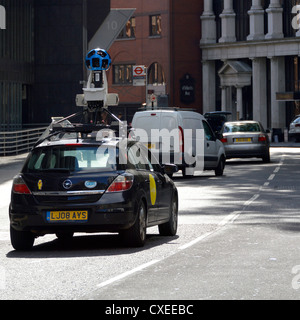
{"x": 80, "y": 184}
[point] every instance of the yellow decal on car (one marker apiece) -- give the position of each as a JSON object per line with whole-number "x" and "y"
{"x": 152, "y": 189}
{"x": 40, "y": 184}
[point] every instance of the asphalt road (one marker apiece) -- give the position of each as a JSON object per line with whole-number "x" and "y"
{"x": 238, "y": 238}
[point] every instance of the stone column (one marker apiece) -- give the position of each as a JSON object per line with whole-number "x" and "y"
{"x": 224, "y": 98}
{"x": 277, "y": 85}
{"x": 256, "y": 14}
{"x": 259, "y": 74}
{"x": 228, "y": 23}
{"x": 239, "y": 102}
{"x": 209, "y": 86}
{"x": 208, "y": 23}
{"x": 275, "y": 23}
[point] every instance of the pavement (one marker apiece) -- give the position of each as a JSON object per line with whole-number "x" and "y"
{"x": 16, "y": 159}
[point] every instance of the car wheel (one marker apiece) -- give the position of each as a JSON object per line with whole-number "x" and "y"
{"x": 136, "y": 235}
{"x": 220, "y": 168}
{"x": 21, "y": 240}
{"x": 266, "y": 158}
{"x": 170, "y": 228}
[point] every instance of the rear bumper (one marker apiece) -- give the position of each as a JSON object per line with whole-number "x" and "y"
{"x": 113, "y": 217}
{"x": 246, "y": 151}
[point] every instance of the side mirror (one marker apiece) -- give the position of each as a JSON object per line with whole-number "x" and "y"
{"x": 169, "y": 168}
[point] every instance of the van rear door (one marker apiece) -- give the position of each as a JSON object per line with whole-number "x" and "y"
{"x": 143, "y": 123}
{"x": 169, "y": 144}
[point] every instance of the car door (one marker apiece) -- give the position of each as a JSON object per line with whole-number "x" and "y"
{"x": 148, "y": 181}
{"x": 210, "y": 147}
{"x": 162, "y": 185}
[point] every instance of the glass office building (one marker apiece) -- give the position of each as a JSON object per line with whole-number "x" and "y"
{"x": 16, "y": 61}
{"x": 42, "y": 50}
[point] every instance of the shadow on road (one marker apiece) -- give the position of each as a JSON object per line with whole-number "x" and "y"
{"x": 89, "y": 246}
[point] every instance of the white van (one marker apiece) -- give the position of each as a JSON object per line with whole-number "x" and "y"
{"x": 181, "y": 137}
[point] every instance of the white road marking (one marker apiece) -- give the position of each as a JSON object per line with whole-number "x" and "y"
{"x": 276, "y": 170}
{"x": 272, "y": 176}
{"x": 126, "y": 274}
{"x": 247, "y": 203}
{"x": 191, "y": 243}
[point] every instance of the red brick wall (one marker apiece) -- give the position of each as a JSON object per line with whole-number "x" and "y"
{"x": 177, "y": 50}
{"x": 186, "y": 53}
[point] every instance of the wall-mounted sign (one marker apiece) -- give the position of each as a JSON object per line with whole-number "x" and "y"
{"x": 187, "y": 89}
{"x": 139, "y": 75}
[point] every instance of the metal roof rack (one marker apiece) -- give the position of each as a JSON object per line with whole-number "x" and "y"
{"x": 64, "y": 126}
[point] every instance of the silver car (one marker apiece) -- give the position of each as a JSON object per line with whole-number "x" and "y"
{"x": 294, "y": 132}
{"x": 245, "y": 139}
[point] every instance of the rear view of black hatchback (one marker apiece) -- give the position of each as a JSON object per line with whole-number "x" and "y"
{"x": 80, "y": 185}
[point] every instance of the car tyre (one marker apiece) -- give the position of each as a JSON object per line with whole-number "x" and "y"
{"x": 220, "y": 168}
{"x": 21, "y": 240}
{"x": 266, "y": 158}
{"x": 135, "y": 236}
{"x": 170, "y": 228}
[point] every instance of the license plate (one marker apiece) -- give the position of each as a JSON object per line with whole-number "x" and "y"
{"x": 241, "y": 140}
{"x": 57, "y": 216}
{"x": 151, "y": 145}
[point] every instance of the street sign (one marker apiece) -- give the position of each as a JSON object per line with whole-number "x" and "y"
{"x": 139, "y": 75}
{"x": 139, "y": 71}
{"x": 153, "y": 98}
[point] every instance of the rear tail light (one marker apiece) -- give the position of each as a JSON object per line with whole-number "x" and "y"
{"x": 262, "y": 138}
{"x": 121, "y": 183}
{"x": 19, "y": 186}
{"x": 224, "y": 140}
{"x": 181, "y": 140}
{"x": 297, "y": 125}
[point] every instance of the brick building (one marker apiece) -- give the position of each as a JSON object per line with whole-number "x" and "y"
{"x": 164, "y": 36}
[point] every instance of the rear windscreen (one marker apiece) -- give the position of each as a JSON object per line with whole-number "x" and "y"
{"x": 242, "y": 127}
{"x": 72, "y": 158}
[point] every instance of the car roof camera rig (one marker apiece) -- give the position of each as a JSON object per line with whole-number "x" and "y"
{"x": 96, "y": 98}
{"x": 94, "y": 101}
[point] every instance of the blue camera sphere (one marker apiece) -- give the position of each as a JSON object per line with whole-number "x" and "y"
{"x": 98, "y": 60}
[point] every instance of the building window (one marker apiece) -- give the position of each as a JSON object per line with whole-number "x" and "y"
{"x": 156, "y": 74}
{"x": 122, "y": 74}
{"x": 218, "y": 6}
{"x": 288, "y": 16}
{"x": 241, "y": 9}
{"x": 128, "y": 31}
{"x": 155, "y": 25}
